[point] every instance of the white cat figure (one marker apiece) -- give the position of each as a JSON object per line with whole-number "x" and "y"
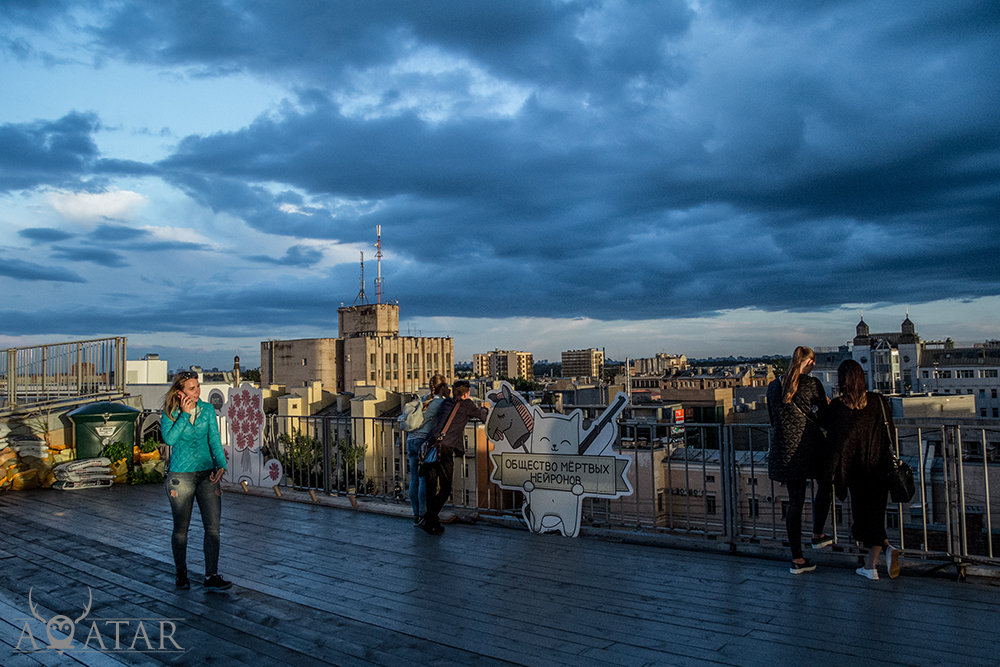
{"x": 546, "y": 510}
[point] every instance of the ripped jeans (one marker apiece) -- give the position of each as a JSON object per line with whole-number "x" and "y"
{"x": 182, "y": 490}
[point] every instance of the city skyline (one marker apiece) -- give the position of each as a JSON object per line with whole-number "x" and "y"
{"x": 700, "y": 178}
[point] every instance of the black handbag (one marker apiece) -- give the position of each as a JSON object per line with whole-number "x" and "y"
{"x": 901, "y": 486}
{"x": 900, "y": 478}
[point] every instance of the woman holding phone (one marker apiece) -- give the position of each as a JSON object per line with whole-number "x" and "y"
{"x": 197, "y": 463}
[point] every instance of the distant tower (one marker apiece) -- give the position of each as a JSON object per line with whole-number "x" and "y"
{"x": 361, "y": 298}
{"x": 236, "y": 371}
{"x": 862, "y": 336}
{"x": 910, "y": 350}
{"x": 378, "y": 257}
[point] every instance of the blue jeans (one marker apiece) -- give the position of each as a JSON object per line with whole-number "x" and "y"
{"x": 418, "y": 484}
{"x": 182, "y": 490}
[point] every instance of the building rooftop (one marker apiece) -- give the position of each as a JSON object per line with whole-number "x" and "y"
{"x": 322, "y": 585}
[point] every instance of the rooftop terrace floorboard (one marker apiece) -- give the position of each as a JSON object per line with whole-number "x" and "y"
{"x": 322, "y": 585}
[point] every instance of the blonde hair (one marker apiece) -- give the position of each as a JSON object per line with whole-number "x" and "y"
{"x": 172, "y": 401}
{"x": 790, "y": 383}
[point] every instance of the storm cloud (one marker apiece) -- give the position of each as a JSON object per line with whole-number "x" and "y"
{"x": 606, "y": 160}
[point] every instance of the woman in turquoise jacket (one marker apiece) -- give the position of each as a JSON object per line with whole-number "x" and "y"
{"x": 197, "y": 463}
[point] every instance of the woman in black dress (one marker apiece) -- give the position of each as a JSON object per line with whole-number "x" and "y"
{"x": 858, "y": 425}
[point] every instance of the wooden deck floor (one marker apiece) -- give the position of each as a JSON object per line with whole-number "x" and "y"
{"x": 320, "y": 585}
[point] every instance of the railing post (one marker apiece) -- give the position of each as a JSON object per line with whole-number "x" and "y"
{"x": 12, "y": 378}
{"x": 79, "y": 368}
{"x": 986, "y": 486}
{"x": 953, "y": 495}
{"x": 959, "y": 458}
{"x": 727, "y": 462}
{"x": 326, "y": 455}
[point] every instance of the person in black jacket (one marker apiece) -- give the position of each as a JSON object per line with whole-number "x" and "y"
{"x": 859, "y": 423}
{"x": 795, "y": 404}
{"x": 449, "y": 433}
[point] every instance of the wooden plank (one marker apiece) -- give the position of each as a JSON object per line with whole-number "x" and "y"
{"x": 336, "y": 586}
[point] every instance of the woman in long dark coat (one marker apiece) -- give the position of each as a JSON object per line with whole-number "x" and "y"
{"x": 796, "y": 403}
{"x": 859, "y": 423}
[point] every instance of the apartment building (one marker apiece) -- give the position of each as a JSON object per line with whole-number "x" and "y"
{"x": 587, "y": 363}
{"x": 504, "y": 363}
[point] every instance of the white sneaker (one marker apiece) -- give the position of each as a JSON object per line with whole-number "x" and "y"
{"x": 871, "y": 574}
{"x": 892, "y": 561}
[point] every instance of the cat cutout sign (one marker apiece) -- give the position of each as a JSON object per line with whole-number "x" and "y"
{"x": 553, "y": 460}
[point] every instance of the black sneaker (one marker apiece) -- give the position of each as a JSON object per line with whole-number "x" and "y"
{"x": 822, "y": 541}
{"x": 799, "y": 568}
{"x": 182, "y": 581}
{"x": 216, "y": 583}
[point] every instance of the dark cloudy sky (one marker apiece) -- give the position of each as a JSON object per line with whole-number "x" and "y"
{"x": 703, "y": 177}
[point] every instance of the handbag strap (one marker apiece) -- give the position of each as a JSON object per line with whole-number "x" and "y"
{"x": 447, "y": 424}
{"x": 888, "y": 431}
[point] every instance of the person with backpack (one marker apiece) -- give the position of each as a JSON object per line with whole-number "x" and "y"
{"x": 418, "y": 419}
{"x": 448, "y": 438}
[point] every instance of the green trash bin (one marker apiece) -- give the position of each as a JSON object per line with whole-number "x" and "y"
{"x": 97, "y": 425}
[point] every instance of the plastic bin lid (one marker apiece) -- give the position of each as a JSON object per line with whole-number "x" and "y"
{"x": 102, "y": 408}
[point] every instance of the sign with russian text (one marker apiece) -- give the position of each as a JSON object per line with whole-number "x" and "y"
{"x": 553, "y": 460}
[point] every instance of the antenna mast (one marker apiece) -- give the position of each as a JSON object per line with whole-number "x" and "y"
{"x": 361, "y": 293}
{"x": 378, "y": 256}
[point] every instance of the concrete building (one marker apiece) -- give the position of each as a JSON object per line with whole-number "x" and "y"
{"x": 148, "y": 370}
{"x": 581, "y": 364}
{"x": 661, "y": 364}
{"x": 971, "y": 371}
{"x": 369, "y": 350}
{"x": 901, "y": 363}
{"x": 504, "y": 363}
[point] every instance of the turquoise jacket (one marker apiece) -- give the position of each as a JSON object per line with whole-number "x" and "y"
{"x": 194, "y": 447}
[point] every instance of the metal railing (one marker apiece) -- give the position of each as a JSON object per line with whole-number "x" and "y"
{"x": 44, "y": 375}
{"x": 710, "y": 482}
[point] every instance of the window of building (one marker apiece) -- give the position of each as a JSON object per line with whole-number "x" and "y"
{"x": 659, "y": 501}
{"x": 925, "y": 373}
{"x": 372, "y": 362}
{"x": 995, "y": 412}
{"x": 982, "y": 392}
{"x": 993, "y": 393}
{"x": 709, "y": 478}
{"x": 990, "y": 373}
{"x": 966, "y": 374}
{"x": 305, "y": 361}
{"x": 982, "y": 412}
{"x": 710, "y": 504}
{"x": 753, "y": 507}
